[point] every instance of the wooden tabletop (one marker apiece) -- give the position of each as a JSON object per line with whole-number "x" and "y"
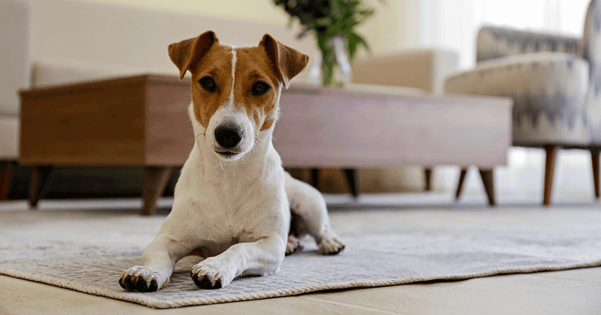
{"x": 142, "y": 120}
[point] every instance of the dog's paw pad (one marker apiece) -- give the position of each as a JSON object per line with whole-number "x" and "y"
{"x": 293, "y": 245}
{"x": 208, "y": 275}
{"x": 334, "y": 251}
{"x": 203, "y": 281}
{"x": 122, "y": 283}
{"x": 153, "y": 286}
{"x": 292, "y": 250}
{"x": 141, "y": 285}
{"x": 139, "y": 279}
{"x": 331, "y": 245}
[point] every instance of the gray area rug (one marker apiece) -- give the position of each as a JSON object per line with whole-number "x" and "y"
{"x": 86, "y": 251}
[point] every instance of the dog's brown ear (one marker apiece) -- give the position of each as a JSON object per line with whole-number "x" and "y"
{"x": 190, "y": 51}
{"x": 288, "y": 62}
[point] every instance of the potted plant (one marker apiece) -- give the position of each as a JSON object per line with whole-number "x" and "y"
{"x": 334, "y": 24}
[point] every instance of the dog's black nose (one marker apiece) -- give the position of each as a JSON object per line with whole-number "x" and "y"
{"x": 228, "y": 136}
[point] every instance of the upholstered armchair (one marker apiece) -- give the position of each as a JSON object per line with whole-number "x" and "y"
{"x": 555, "y": 82}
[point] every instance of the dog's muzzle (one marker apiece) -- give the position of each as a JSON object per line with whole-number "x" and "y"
{"x": 228, "y": 136}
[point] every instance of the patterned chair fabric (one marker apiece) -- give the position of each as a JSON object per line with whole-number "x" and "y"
{"x": 555, "y": 81}
{"x": 549, "y": 91}
{"x": 591, "y": 51}
{"x": 497, "y": 42}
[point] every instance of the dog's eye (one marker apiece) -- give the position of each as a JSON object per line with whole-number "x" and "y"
{"x": 260, "y": 88}
{"x": 208, "y": 84}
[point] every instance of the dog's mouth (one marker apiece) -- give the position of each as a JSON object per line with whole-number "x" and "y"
{"x": 227, "y": 153}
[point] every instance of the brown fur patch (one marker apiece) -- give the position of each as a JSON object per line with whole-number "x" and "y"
{"x": 253, "y": 66}
{"x": 216, "y": 63}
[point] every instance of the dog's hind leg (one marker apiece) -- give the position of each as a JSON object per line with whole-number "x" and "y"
{"x": 308, "y": 203}
{"x": 293, "y": 245}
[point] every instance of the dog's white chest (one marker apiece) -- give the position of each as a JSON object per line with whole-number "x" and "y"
{"x": 230, "y": 205}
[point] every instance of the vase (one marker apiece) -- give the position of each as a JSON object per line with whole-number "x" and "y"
{"x": 336, "y": 70}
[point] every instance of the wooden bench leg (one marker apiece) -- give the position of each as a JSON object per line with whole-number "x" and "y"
{"x": 6, "y": 173}
{"x": 595, "y": 159}
{"x": 156, "y": 179}
{"x": 428, "y": 177}
{"x": 315, "y": 178}
{"x": 549, "y": 172}
{"x": 460, "y": 184}
{"x": 38, "y": 184}
{"x": 351, "y": 178}
{"x": 489, "y": 187}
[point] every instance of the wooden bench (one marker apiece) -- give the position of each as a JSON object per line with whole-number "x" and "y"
{"x": 143, "y": 121}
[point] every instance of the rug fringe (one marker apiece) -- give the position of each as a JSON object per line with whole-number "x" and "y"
{"x": 150, "y": 302}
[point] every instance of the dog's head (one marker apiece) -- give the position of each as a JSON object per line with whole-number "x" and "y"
{"x": 235, "y": 91}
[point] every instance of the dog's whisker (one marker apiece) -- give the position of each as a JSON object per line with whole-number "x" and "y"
{"x": 198, "y": 135}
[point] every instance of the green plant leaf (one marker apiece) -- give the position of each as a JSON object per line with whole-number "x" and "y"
{"x": 329, "y": 19}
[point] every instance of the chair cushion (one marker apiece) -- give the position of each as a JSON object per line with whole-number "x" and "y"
{"x": 549, "y": 91}
{"x": 48, "y": 73}
{"x": 423, "y": 69}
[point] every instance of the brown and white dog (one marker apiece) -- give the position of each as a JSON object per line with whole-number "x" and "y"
{"x": 234, "y": 203}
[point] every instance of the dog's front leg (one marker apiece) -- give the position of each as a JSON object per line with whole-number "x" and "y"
{"x": 260, "y": 258}
{"x": 159, "y": 260}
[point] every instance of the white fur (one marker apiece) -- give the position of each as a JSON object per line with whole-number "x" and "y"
{"x": 237, "y": 210}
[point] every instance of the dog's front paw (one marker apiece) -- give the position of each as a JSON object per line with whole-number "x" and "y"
{"x": 207, "y": 275}
{"x": 142, "y": 279}
{"x": 330, "y": 244}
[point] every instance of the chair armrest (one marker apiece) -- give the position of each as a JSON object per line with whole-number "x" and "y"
{"x": 496, "y": 42}
{"x": 422, "y": 69}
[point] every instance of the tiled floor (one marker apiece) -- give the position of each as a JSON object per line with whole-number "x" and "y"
{"x": 564, "y": 292}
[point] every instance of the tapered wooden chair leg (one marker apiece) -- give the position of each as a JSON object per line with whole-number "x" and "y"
{"x": 38, "y": 184}
{"x": 6, "y": 173}
{"x": 460, "y": 184}
{"x": 489, "y": 187}
{"x": 351, "y": 178}
{"x": 595, "y": 159}
{"x": 428, "y": 177}
{"x": 156, "y": 179}
{"x": 549, "y": 172}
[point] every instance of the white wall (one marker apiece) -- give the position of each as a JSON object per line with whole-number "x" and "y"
{"x": 263, "y": 11}
{"x": 394, "y": 26}
{"x": 88, "y": 34}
